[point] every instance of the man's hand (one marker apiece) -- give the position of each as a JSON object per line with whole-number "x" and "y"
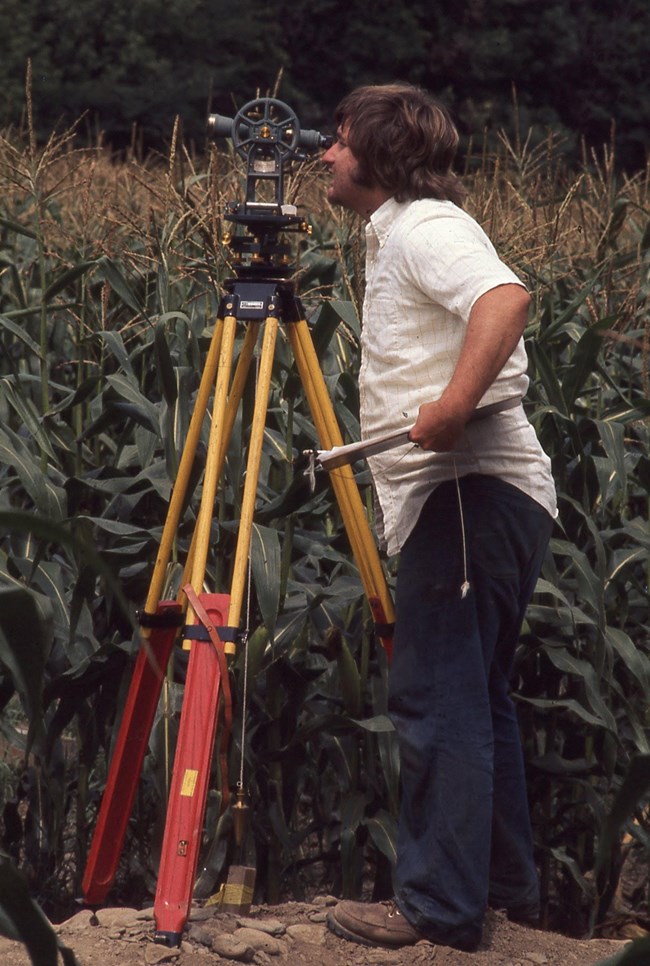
{"x": 494, "y": 328}
{"x": 437, "y": 427}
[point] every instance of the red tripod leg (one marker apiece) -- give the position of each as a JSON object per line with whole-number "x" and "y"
{"x": 192, "y": 761}
{"x": 130, "y": 748}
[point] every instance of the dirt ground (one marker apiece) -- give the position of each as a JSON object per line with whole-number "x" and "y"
{"x": 295, "y": 934}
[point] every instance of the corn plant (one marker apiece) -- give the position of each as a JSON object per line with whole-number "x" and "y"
{"x": 583, "y": 665}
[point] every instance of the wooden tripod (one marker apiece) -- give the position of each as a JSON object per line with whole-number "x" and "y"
{"x": 209, "y": 623}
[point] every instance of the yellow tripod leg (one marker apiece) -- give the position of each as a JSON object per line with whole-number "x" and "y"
{"x": 238, "y": 384}
{"x": 212, "y": 468}
{"x": 342, "y": 479}
{"x": 184, "y": 470}
{"x": 234, "y": 398}
{"x": 242, "y": 553}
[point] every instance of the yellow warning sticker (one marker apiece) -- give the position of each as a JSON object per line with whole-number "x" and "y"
{"x": 189, "y": 782}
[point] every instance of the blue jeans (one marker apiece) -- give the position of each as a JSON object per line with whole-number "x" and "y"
{"x": 464, "y": 838}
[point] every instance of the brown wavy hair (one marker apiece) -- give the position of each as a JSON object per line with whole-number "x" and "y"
{"x": 403, "y": 140}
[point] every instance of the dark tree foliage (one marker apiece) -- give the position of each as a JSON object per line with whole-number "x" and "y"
{"x": 135, "y": 62}
{"x": 578, "y": 66}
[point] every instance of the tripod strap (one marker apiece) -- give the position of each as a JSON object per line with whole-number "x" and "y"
{"x": 203, "y": 618}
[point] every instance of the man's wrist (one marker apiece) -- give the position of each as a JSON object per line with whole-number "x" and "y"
{"x": 457, "y": 408}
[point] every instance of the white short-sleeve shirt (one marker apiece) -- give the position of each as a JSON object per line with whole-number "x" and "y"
{"x": 427, "y": 263}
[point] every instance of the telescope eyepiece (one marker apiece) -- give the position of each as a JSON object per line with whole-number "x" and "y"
{"x": 315, "y": 141}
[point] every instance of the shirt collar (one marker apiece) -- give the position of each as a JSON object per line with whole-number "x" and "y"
{"x": 382, "y": 220}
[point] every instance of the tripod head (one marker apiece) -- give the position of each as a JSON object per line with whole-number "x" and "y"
{"x": 266, "y": 133}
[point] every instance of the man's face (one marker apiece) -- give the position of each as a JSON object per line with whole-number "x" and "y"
{"x": 345, "y": 187}
{"x": 348, "y": 187}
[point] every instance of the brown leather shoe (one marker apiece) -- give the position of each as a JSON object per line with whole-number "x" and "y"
{"x": 372, "y": 924}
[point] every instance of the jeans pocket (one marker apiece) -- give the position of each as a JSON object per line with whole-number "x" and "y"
{"x": 493, "y": 550}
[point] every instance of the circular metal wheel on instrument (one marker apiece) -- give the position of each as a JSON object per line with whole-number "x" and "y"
{"x": 266, "y": 121}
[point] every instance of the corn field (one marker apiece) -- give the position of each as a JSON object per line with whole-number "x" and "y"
{"x": 110, "y": 283}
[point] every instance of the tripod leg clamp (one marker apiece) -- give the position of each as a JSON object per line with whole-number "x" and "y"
{"x": 197, "y": 632}
{"x": 163, "y": 618}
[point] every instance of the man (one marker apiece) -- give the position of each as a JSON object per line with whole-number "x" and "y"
{"x": 468, "y": 504}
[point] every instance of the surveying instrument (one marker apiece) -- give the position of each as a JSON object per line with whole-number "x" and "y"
{"x": 261, "y": 296}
